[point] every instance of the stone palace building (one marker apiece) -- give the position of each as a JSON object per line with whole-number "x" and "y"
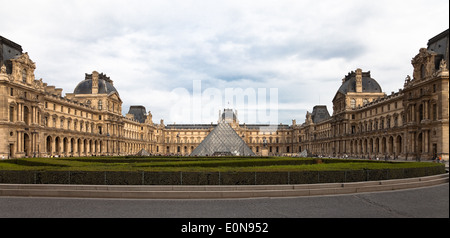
{"x": 36, "y": 120}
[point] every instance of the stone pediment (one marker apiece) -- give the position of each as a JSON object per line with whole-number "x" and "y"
{"x": 25, "y": 59}
{"x": 115, "y": 96}
{"x": 338, "y": 95}
{"x": 424, "y": 64}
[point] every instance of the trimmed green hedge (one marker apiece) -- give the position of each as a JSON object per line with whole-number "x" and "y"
{"x": 206, "y": 170}
{"x": 210, "y": 178}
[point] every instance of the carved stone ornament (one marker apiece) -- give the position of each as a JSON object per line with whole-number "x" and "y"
{"x": 407, "y": 80}
{"x": 443, "y": 65}
{"x": 308, "y": 118}
{"x": 25, "y": 59}
{"x": 3, "y": 69}
{"x": 443, "y": 71}
{"x": 423, "y": 64}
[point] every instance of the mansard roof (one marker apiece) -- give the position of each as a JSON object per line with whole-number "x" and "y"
{"x": 369, "y": 85}
{"x": 320, "y": 113}
{"x": 105, "y": 85}
{"x": 139, "y": 113}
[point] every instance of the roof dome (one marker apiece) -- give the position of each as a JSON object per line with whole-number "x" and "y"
{"x": 369, "y": 85}
{"x": 105, "y": 85}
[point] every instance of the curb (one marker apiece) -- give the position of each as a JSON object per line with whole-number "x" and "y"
{"x": 214, "y": 192}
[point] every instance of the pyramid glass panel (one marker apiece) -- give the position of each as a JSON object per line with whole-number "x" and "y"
{"x": 223, "y": 140}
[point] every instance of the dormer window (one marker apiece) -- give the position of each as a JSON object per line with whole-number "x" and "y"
{"x": 24, "y": 75}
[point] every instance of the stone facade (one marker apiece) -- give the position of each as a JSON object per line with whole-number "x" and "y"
{"x": 37, "y": 121}
{"x": 412, "y": 123}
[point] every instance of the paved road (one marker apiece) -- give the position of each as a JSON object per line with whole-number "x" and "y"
{"x": 411, "y": 203}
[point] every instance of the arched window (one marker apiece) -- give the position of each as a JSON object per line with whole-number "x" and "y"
{"x": 353, "y": 103}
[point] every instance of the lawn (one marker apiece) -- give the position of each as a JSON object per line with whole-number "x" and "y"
{"x": 201, "y": 164}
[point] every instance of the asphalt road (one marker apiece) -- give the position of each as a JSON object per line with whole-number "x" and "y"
{"x": 430, "y": 202}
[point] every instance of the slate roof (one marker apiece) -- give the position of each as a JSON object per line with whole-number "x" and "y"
{"x": 369, "y": 85}
{"x": 138, "y": 112}
{"x": 105, "y": 85}
{"x": 320, "y": 113}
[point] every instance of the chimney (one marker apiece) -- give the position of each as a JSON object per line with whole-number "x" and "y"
{"x": 358, "y": 80}
{"x": 94, "y": 82}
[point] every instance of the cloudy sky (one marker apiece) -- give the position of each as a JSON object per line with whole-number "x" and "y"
{"x": 186, "y": 60}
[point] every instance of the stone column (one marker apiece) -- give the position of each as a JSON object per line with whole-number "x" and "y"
{"x": 20, "y": 141}
{"x": 425, "y": 136}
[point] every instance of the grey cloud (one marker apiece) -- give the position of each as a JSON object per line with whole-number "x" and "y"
{"x": 152, "y": 47}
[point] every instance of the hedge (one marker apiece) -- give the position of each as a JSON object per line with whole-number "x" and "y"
{"x": 211, "y": 178}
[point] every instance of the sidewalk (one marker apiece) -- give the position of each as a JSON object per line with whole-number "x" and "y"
{"x": 216, "y": 191}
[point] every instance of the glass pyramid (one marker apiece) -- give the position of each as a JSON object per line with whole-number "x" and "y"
{"x": 223, "y": 140}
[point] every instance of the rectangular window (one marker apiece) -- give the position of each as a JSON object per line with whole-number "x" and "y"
{"x": 11, "y": 114}
{"x": 353, "y": 103}
{"x": 434, "y": 112}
